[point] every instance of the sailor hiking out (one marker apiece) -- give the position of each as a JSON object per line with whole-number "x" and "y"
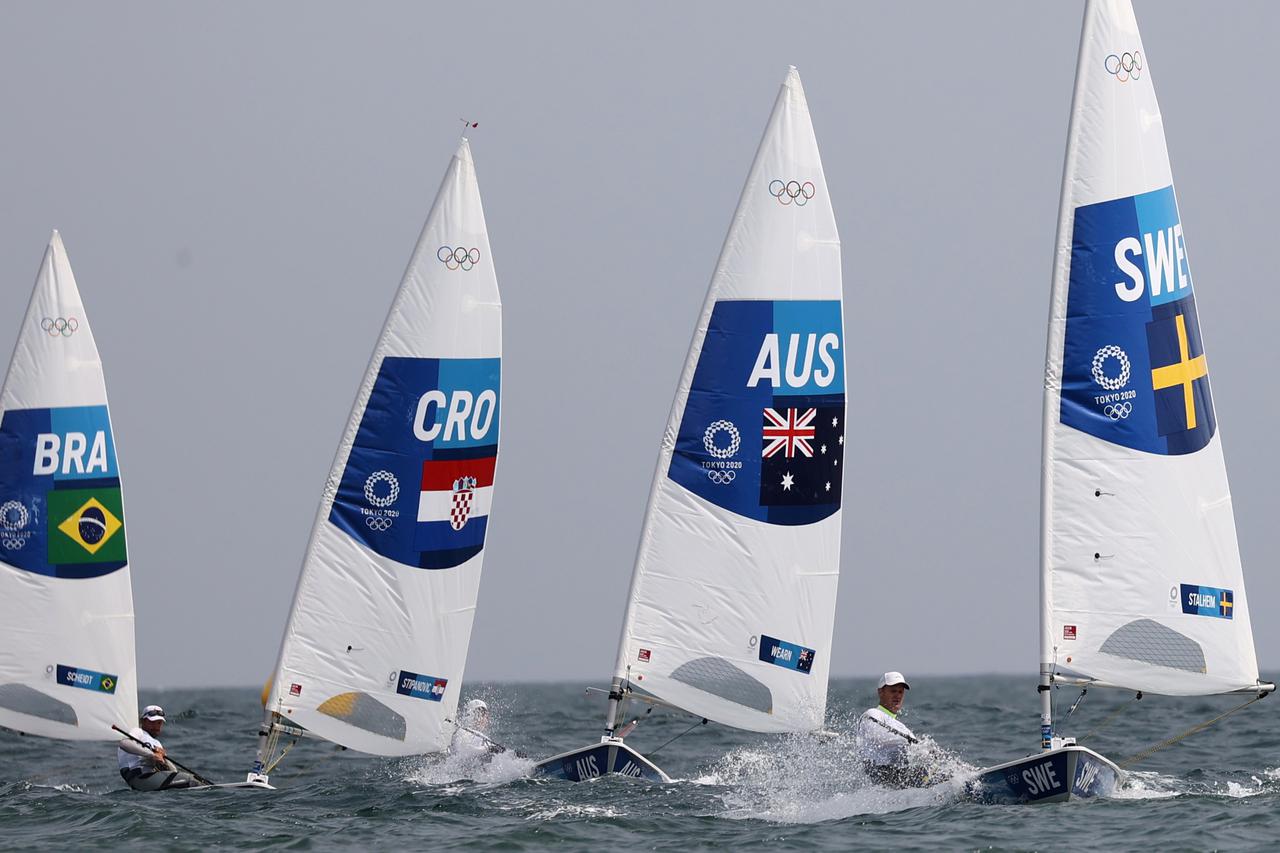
{"x": 883, "y": 739}
{"x": 471, "y": 738}
{"x": 142, "y": 761}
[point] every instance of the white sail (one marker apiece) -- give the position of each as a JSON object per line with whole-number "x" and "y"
{"x": 377, "y": 638}
{"x": 67, "y": 665}
{"x": 1141, "y": 582}
{"x": 733, "y": 594}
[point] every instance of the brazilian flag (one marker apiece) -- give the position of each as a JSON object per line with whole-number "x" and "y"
{"x": 86, "y": 526}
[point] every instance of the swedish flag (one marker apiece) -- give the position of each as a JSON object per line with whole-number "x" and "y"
{"x": 1180, "y": 377}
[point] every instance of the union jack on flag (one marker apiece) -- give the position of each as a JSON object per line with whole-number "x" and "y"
{"x": 789, "y": 431}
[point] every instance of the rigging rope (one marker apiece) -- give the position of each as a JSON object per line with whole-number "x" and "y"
{"x": 1107, "y": 720}
{"x": 701, "y": 722}
{"x": 1084, "y": 691}
{"x": 1134, "y": 759}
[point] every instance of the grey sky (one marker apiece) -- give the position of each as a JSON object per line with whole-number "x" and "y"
{"x": 240, "y": 186}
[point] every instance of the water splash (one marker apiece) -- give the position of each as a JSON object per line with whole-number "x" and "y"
{"x": 470, "y": 758}
{"x": 810, "y": 779}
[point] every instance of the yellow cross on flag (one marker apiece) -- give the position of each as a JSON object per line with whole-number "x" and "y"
{"x": 1184, "y": 372}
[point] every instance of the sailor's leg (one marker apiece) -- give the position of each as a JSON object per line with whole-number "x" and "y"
{"x": 156, "y": 780}
{"x": 178, "y": 780}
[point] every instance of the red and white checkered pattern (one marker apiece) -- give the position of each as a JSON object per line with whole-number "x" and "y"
{"x": 461, "y": 510}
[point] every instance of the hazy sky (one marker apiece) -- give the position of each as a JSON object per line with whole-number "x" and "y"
{"x": 240, "y": 186}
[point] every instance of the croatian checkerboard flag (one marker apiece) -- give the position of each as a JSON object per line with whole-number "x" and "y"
{"x": 453, "y": 509}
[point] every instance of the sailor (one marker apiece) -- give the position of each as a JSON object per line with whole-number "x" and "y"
{"x": 471, "y": 737}
{"x": 145, "y": 767}
{"x": 883, "y": 739}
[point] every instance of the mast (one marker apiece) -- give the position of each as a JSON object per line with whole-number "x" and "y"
{"x": 1053, "y": 390}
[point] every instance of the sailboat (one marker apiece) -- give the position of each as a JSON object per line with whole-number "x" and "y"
{"x": 1141, "y": 586}
{"x": 733, "y": 591}
{"x": 374, "y": 649}
{"x": 67, "y": 666}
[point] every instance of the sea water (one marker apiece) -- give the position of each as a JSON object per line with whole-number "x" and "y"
{"x": 1219, "y": 789}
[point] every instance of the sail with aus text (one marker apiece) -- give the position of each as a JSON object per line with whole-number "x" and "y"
{"x": 733, "y": 593}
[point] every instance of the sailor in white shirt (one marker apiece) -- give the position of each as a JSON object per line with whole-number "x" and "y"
{"x": 883, "y": 739}
{"x": 471, "y": 739}
{"x": 145, "y": 767}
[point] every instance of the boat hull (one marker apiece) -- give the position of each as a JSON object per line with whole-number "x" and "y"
{"x": 1066, "y": 773}
{"x": 600, "y": 759}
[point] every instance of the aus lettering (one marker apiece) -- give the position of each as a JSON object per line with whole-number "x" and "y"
{"x": 631, "y": 769}
{"x": 587, "y": 768}
{"x": 72, "y": 453}
{"x": 461, "y": 416}
{"x": 796, "y": 366}
{"x": 1166, "y": 262}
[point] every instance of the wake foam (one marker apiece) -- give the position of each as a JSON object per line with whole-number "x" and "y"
{"x": 811, "y": 778}
{"x": 470, "y": 760}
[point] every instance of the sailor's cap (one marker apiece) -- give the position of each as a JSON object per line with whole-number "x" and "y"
{"x": 152, "y": 712}
{"x": 889, "y": 679}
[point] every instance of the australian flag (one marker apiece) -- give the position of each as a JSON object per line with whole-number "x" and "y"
{"x": 803, "y": 453}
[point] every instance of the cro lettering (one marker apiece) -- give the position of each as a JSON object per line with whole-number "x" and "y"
{"x": 461, "y": 416}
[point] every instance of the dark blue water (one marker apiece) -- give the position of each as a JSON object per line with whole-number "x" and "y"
{"x": 1219, "y": 789}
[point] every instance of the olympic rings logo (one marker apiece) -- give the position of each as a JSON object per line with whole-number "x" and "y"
{"x": 709, "y": 439}
{"x": 13, "y": 515}
{"x": 370, "y": 491}
{"x": 1125, "y": 66}
{"x": 458, "y": 258}
{"x": 1116, "y": 411}
{"x": 378, "y": 524}
{"x": 722, "y": 478}
{"x": 13, "y": 518}
{"x": 1100, "y": 375}
{"x": 787, "y": 192}
{"x": 64, "y": 326}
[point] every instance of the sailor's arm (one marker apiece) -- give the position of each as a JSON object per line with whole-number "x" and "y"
{"x": 135, "y": 748}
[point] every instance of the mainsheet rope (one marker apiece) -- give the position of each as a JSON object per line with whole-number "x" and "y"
{"x": 1135, "y": 758}
{"x": 702, "y": 722}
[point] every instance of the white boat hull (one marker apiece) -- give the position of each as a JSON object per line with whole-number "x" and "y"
{"x": 1055, "y": 776}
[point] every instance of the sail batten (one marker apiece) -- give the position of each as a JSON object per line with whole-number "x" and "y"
{"x": 67, "y": 661}
{"x": 731, "y": 609}
{"x": 376, "y": 642}
{"x": 1141, "y": 580}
